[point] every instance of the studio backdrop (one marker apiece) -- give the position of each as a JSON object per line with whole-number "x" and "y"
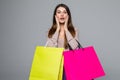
{"x": 24, "y": 24}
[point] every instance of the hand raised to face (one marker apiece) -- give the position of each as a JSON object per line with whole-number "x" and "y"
{"x": 66, "y": 23}
{"x": 57, "y": 22}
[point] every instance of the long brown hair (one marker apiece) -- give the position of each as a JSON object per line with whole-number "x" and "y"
{"x": 54, "y": 25}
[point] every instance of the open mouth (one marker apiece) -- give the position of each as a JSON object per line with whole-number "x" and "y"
{"x": 62, "y": 18}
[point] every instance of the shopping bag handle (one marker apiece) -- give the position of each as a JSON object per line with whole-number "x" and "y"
{"x": 79, "y": 45}
{"x": 46, "y": 44}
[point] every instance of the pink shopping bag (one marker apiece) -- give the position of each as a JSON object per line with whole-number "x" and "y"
{"x": 82, "y": 64}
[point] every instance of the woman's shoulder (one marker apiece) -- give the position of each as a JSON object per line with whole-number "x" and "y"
{"x": 76, "y": 29}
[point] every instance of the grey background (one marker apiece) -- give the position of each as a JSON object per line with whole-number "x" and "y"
{"x": 24, "y": 25}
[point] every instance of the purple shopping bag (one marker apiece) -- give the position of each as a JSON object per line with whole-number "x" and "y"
{"x": 82, "y": 64}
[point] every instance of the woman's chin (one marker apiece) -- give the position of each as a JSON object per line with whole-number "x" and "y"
{"x": 62, "y": 22}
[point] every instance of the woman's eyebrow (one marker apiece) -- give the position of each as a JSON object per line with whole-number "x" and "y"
{"x": 58, "y": 10}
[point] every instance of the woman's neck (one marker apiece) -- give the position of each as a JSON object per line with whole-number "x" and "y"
{"x": 61, "y": 27}
{"x": 61, "y": 35}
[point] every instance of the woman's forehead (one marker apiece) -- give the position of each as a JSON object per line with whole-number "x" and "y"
{"x": 61, "y": 9}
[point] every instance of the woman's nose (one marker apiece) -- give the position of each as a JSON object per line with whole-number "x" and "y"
{"x": 62, "y": 14}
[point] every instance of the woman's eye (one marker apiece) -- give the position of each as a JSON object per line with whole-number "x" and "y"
{"x": 58, "y": 12}
{"x": 61, "y": 12}
{"x": 65, "y": 12}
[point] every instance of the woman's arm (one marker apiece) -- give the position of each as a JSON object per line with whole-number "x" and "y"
{"x": 72, "y": 40}
{"x": 52, "y": 42}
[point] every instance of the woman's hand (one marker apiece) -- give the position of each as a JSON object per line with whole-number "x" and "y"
{"x": 58, "y": 24}
{"x": 66, "y": 24}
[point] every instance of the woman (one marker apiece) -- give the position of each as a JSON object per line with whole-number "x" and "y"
{"x": 62, "y": 33}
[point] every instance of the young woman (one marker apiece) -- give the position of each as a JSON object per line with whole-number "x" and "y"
{"x": 62, "y": 32}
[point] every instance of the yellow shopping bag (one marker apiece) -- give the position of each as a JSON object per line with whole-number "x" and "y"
{"x": 47, "y": 64}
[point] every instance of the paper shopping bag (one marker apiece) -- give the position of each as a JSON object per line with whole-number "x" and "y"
{"x": 47, "y": 64}
{"x": 82, "y": 64}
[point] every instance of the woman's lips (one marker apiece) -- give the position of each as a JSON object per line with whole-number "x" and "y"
{"x": 62, "y": 18}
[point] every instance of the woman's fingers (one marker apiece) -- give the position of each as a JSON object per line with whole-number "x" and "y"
{"x": 57, "y": 22}
{"x": 56, "y": 19}
{"x": 66, "y": 23}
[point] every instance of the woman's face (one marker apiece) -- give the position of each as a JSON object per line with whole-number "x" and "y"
{"x": 61, "y": 14}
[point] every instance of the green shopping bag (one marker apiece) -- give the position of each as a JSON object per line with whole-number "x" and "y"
{"x": 47, "y": 64}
